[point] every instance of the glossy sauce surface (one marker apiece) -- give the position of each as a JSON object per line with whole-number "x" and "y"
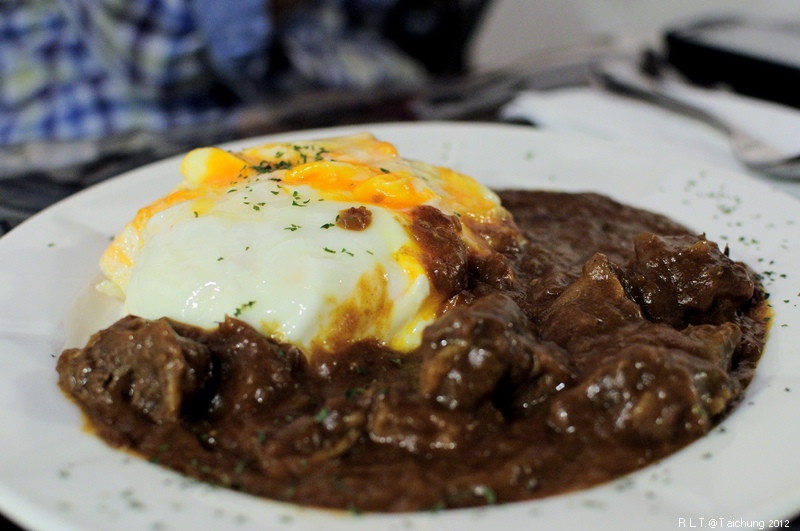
{"x": 594, "y": 341}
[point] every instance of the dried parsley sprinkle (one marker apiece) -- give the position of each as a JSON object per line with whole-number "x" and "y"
{"x": 267, "y": 167}
{"x": 321, "y": 414}
{"x": 487, "y": 493}
{"x": 352, "y": 392}
{"x": 329, "y": 250}
{"x": 243, "y": 307}
{"x": 327, "y": 226}
{"x": 438, "y": 506}
{"x": 345, "y": 251}
{"x": 300, "y": 152}
{"x": 293, "y": 227}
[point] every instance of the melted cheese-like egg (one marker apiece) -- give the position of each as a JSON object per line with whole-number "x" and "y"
{"x": 257, "y": 235}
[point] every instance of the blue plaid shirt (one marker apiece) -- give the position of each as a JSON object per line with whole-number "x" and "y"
{"x": 80, "y": 68}
{"x": 76, "y": 69}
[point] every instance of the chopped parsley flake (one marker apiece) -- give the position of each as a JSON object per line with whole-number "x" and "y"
{"x": 327, "y": 226}
{"x": 321, "y": 414}
{"x": 352, "y": 392}
{"x": 487, "y": 493}
{"x": 268, "y": 167}
{"x": 292, "y": 227}
{"x": 300, "y": 152}
{"x": 329, "y": 250}
{"x": 243, "y": 307}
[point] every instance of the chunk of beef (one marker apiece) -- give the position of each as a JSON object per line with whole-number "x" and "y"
{"x": 685, "y": 279}
{"x": 644, "y": 395}
{"x": 444, "y": 253}
{"x": 309, "y": 440}
{"x": 490, "y": 268}
{"x": 469, "y": 352}
{"x": 252, "y": 370}
{"x": 594, "y": 305}
{"x": 138, "y": 363}
{"x": 408, "y": 421}
{"x": 713, "y": 343}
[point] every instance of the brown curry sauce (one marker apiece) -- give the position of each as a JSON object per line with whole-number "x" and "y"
{"x": 603, "y": 340}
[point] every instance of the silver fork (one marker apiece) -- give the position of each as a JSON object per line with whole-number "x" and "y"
{"x": 756, "y": 155}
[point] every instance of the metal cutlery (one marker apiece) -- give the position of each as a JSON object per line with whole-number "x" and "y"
{"x": 619, "y": 77}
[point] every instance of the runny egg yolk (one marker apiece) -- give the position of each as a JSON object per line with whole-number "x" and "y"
{"x": 357, "y": 182}
{"x": 255, "y": 235}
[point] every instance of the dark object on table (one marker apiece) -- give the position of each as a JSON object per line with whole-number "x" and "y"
{"x": 757, "y": 59}
{"x": 435, "y": 32}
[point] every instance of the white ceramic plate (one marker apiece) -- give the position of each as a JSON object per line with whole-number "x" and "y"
{"x": 56, "y": 476}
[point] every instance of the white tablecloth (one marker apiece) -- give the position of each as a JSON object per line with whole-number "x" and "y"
{"x": 591, "y": 111}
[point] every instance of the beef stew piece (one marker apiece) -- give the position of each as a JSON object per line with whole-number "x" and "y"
{"x": 597, "y": 340}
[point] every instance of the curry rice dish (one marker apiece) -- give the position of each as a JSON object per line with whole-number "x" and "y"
{"x": 483, "y": 347}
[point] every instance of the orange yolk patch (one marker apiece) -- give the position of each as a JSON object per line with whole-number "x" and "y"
{"x": 360, "y": 182}
{"x": 468, "y": 194}
{"x": 212, "y": 167}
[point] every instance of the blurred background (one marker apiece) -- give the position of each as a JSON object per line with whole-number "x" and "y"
{"x": 512, "y": 30}
{"x": 91, "y": 88}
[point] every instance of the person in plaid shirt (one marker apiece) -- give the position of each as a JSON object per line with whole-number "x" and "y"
{"x": 77, "y": 69}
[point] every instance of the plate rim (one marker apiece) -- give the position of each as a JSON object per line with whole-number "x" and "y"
{"x": 21, "y": 230}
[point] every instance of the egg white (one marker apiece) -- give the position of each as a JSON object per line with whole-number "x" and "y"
{"x": 279, "y": 262}
{"x": 253, "y": 235}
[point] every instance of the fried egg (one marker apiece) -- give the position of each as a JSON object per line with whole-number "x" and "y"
{"x": 259, "y": 235}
